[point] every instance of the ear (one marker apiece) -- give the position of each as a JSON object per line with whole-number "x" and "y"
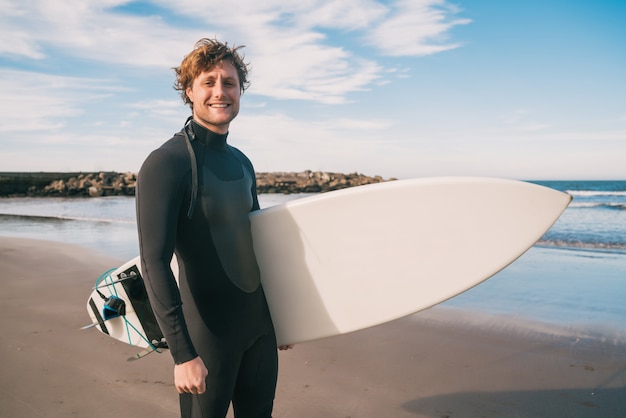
{"x": 189, "y": 93}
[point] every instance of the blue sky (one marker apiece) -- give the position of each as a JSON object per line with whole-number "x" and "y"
{"x": 532, "y": 89}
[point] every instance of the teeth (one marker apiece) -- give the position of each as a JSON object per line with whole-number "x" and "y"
{"x": 219, "y": 105}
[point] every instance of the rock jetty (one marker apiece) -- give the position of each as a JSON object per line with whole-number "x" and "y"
{"x": 311, "y": 181}
{"x": 123, "y": 184}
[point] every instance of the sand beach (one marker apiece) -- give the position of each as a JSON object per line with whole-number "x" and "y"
{"x": 433, "y": 364}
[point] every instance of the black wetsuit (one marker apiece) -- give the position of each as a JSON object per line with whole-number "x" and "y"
{"x": 220, "y": 311}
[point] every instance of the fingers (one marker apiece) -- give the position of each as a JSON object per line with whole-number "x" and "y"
{"x": 195, "y": 390}
{"x": 190, "y": 377}
{"x": 190, "y": 387}
{"x": 285, "y": 347}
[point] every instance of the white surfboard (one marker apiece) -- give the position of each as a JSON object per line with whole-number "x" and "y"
{"x": 346, "y": 260}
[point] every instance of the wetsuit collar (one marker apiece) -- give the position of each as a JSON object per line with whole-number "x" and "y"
{"x": 204, "y": 135}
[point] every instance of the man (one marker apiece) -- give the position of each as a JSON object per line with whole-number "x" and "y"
{"x": 194, "y": 194}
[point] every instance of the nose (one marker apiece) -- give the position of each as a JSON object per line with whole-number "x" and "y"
{"x": 218, "y": 88}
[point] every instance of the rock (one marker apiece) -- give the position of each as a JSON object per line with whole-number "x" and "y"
{"x": 311, "y": 181}
{"x": 95, "y": 191}
{"x": 123, "y": 184}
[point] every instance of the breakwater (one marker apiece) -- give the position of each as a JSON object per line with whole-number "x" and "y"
{"x": 103, "y": 183}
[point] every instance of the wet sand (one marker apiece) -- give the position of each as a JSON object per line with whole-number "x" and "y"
{"x": 433, "y": 364}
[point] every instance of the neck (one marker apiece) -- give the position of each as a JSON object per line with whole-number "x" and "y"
{"x": 213, "y": 139}
{"x": 219, "y": 130}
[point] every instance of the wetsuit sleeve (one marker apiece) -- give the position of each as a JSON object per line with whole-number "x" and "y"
{"x": 159, "y": 195}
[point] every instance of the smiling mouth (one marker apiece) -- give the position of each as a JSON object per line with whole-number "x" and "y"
{"x": 220, "y": 105}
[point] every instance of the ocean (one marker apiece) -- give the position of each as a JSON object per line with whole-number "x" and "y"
{"x": 573, "y": 280}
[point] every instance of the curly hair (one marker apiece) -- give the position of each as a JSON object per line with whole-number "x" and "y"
{"x": 207, "y": 53}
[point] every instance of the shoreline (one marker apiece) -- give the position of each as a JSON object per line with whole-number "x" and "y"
{"x": 482, "y": 306}
{"x": 570, "y": 272}
{"x": 432, "y": 364}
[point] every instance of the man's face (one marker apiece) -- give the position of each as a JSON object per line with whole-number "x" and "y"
{"x": 215, "y": 95}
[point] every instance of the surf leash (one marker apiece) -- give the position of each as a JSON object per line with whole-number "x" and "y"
{"x": 123, "y": 277}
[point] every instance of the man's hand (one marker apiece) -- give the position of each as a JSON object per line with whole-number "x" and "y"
{"x": 189, "y": 377}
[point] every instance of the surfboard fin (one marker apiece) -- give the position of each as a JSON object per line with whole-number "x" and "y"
{"x": 154, "y": 347}
{"x": 95, "y": 324}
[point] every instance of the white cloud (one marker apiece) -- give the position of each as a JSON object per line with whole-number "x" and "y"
{"x": 415, "y": 27}
{"x": 15, "y": 40}
{"x": 309, "y": 71}
{"x": 292, "y": 56}
{"x": 279, "y": 142}
{"x": 310, "y": 51}
{"x": 90, "y": 30}
{"x": 159, "y": 107}
{"x": 340, "y": 14}
{"x": 41, "y": 102}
